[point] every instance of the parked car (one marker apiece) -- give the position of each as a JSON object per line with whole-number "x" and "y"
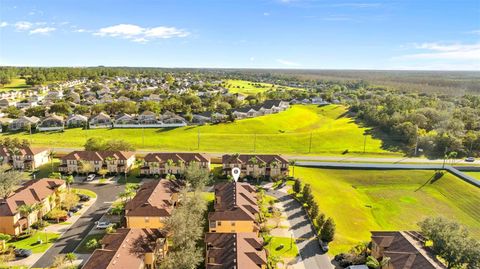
{"x": 22, "y": 253}
{"x": 79, "y": 206}
{"x": 90, "y": 177}
{"x": 74, "y": 209}
{"x": 470, "y": 159}
{"x": 323, "y": 245}
{"x": 83, "y": 197}
{"x": 64, "y": 218}
{"x": 103, "y": 224}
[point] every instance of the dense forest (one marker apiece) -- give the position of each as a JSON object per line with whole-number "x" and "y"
{"x": 430, "y": 113}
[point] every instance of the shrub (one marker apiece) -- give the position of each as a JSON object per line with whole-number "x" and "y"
{"x": 297, "y": 186}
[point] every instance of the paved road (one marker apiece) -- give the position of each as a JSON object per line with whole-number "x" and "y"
{"x": 72, "y": 237}
{"x": 303, "y": 232}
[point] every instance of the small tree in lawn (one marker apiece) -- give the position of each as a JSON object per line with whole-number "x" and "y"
{"x": 320, "y": 220}
{"x": 56, "y": 214}
{"x": 307, "y": 194}
{"x": 314, "y": 210}
{"x": 70, "y": 200}
{"x": 25, "y": 210}
{"x": 328, "y": 231}
{"x": 276, "y": 216}
{"x": 103, "y": 172}
{"x": 85, "y": 167}
{"x": 56, "y": 175}
{"x": 92, "y": 244}
{"x": 297, "y": 186}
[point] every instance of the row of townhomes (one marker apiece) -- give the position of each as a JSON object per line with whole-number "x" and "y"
{"x": 269, "y": 166}
{"x": 403, "y": 249}
{"x": 114, "y": 162}
{"x": 143, "y": 242}
{"x": 46, "y": 192}
{"x": 24, "y": 158}
{"x": 232, "y": 240}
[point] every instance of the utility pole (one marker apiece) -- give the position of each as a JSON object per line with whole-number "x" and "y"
{"x": 310, "y": 145}
{"x": 364, "y": 142}
{"x": 198, "y": 139}
{"x": 444, "y": 157}
{"x": 416, "y": 140}
{"x": 254, "y": 142}
{"x": 143, "y": 136}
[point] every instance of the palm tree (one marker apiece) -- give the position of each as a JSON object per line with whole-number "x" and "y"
{"x": 170, "y": 163}
{"x": 71, "y": 257}
{"x": 25, "y": 210}
{"x": 39, "y": 208}
{"x": 69, "y": 180}
{"x": 293, "y": 163}
{"x": 51, "y": 154}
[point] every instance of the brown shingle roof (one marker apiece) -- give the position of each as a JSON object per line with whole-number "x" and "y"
{"x": 29, "y": 193}
{"x": 98, "y": 155}
{"x": 153, "y": 199}
{"x": 405, "y": 250}
{"x": 234, "y": 250}
{"x": 234, "y": 201}
{"x": 185, "y": 157}
{"x": 124, "y": 249}
{"x": 245, "y": 158}
{"x": 23, "y": 151}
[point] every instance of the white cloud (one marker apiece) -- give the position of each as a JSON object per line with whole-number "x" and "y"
{"x": 357, "y": 5}
{"x": 3, "y": 24}
{"x": 475, "y": 32}
{"x": 141, "y": 34}
{"x": 288, "y": 63}
{"x": 252, "y": 59}
{"x": 457, "y": 51}
{"x": 80, "y": 31}
{"x": 44, "y": 30}
{"x": 23, "y": 25}
{"x": 266, "y": 14}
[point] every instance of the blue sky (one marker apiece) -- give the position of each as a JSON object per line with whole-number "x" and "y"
{"x": 306, "y": 34}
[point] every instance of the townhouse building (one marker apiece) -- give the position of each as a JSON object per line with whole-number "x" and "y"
{"x": 115, "y": 162}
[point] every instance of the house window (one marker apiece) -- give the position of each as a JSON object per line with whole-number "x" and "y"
{"x": 219, "y": 223}
{"x": 147, "y": 220}
{"x": 211, "y": 260}
{"x": 233, "y": 223}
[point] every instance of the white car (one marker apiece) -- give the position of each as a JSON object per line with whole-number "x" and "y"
{"x": 103, "y": 224}
{"x": 90, "y": 177}
{"x": 470, "y": 159}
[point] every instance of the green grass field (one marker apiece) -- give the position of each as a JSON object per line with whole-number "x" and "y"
{"x": 82, "y": 248}
{"x": 299, "y": 130}
{"x": 473, "y": 174}
{"x": 31, "y": 242}
{"x": 248, "y": 88}
{"x": 280, "y": 246}
{"x": 16, "y": 84}
{"x": 364, "y": 200}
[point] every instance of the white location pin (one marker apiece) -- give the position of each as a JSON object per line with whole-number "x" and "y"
{"x": 236, "y": 173}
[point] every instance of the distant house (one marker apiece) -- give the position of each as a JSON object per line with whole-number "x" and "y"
{"x": 405, "y": 250}
{"x": 234, "y": 250}
{"x": 24, "y": 122}
{"x": 170, "y": 119}
{"x": 152, "y": 205}
{"x": 53, "y": 96}
{"x": 172, "y": 163}
{"x": 147, "y": 117}
{"x": 76, "y": 120}
{"x": 124, "y": 118}
{"x": 101, "y": 120}
{"x": 117, "y": 162}
{"x": 73, "y": 96}
{"x": 257, "y": 165}
{"x": 46, "y": 191}
{"x": 51, "y": 123}
{"x": 26, "y": 103}
{"x": 129, "y": 248}
{"x": 236, "y": 209}
{"x": 202, "y": 118}
{"x": 24, "y": 158}
{"x": 5, "y": 103}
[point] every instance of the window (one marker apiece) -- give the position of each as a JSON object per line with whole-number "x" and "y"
{"x": 233, "y": 223}
{"x": 211, "y": 260}
{"x": 219, "y": 223}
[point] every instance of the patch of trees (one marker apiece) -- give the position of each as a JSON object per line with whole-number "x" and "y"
{"x": 100, "y": 144}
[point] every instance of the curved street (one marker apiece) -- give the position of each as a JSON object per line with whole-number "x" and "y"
{"x": 68, "y": 241}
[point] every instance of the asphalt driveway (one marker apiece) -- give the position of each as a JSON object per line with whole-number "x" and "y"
{"x": 303, "y": 232}
{"x": 73, "y": 236}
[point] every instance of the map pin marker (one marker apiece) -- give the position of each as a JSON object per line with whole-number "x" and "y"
{"x": 236, "y": 173}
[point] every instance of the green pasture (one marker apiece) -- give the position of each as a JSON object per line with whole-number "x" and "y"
{"x": 361, "y": 201}
{"x": 251, "y": 88}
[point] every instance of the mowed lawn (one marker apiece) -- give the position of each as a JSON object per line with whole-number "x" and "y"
{"x": 15, "y": 84}
{"x": 248, "y": 88}
{"x": 302, "y": 129}
{"x": 364, "y": 200}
